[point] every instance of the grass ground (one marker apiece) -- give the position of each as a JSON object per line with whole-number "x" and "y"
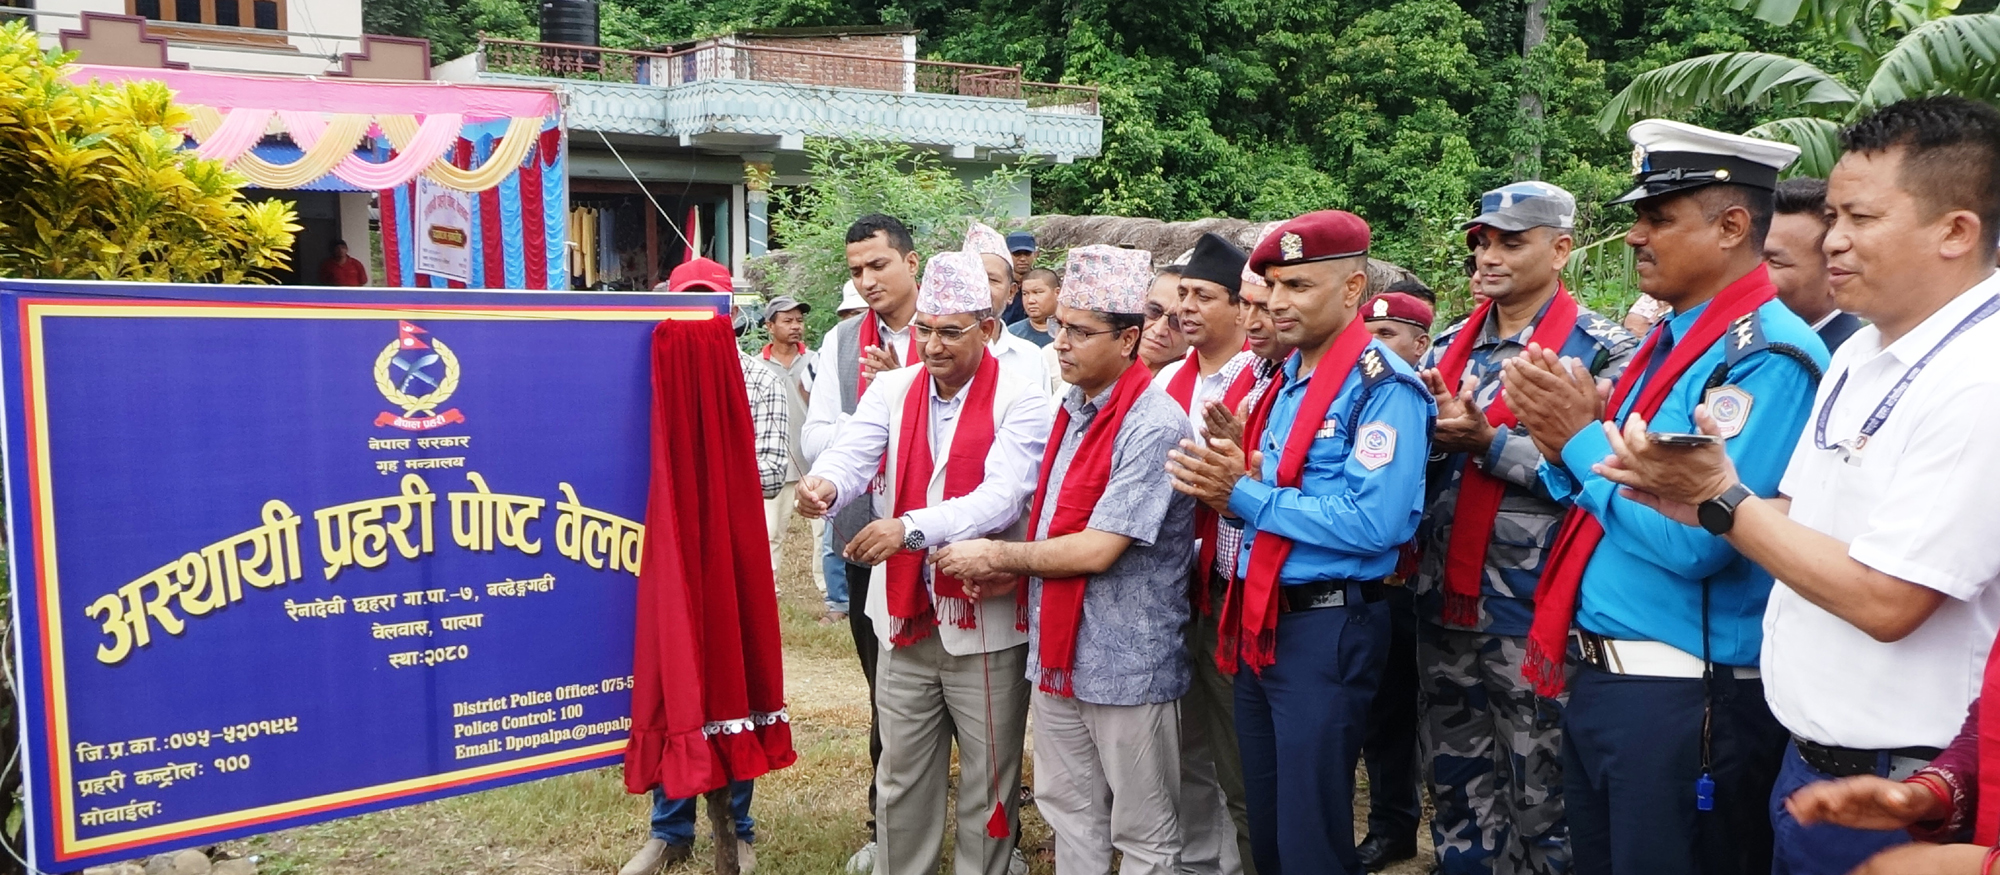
{"x": 809, "y": 817}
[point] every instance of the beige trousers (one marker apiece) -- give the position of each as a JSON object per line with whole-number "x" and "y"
{"x": 1109, "y": 776}
{"x": 925, "y": 700}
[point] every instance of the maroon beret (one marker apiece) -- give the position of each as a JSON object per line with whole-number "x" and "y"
{"x": 1320, "y": 236}
{"x": 1398, "y": 306}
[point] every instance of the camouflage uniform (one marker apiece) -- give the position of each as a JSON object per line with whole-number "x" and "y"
{"x": 1494, "y": 746}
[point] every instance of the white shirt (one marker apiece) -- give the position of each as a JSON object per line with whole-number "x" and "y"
{"x": 1919, "y": 503}
{"x": 996, "y": 507}
{"x": 1012, "y": 465}
{"x": 1023, "y": 357}
{"x": 1057, "y": 388}
{"x": 1210, "y": 388}
{"x": 823, "y": 414}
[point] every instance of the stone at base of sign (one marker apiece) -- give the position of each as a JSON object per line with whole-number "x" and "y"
{"x": 186, "y": 862}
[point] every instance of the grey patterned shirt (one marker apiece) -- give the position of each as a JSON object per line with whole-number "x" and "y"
{"x": 1129, "y": 649}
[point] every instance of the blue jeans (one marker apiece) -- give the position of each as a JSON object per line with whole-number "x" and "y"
{"x": 1823, "y": 848}
{"x": 673, "y": 819}
{"x": 836, "y": 572}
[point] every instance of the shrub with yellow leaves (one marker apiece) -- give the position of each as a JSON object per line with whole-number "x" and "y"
{"x": 95, "y": 183}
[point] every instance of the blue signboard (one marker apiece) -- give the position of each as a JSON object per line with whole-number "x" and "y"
{"x": 281, "y": 556}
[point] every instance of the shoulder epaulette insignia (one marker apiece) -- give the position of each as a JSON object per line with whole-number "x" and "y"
{"x": 1745, "y": 336}
{"x": 1373, "y": 368}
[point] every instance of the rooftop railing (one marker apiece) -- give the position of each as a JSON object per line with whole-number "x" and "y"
{"x": 720, "y": 59}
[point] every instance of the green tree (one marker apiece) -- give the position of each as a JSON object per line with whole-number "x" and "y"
{"x": 95, "y": 184}
{"x": 1898, "y": 49}
{"x": 452, "y": 26}
{"x": 852, "y": 179}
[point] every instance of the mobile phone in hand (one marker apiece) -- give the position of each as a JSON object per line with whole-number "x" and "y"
{"x": 1681, "y": 439}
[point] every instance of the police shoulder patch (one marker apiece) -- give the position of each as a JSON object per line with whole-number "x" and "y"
{"x": 1375, "y": 444}
{"x": 1730, "y": 406}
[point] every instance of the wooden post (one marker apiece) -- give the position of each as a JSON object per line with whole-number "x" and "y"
{"x": 722, "y": 820}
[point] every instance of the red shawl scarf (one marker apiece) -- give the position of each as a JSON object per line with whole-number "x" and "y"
{"x": 1986, "y": 826}
{"x": 912, "y": 612}
{"x": 1480, "y": 493}
{"x": 1206, "y": 520}
{"x": 1562, "y": 575}
{"x": 1181, "y": 387}
{"x": 871, "y": 335}
{"x": 1249, "y": 624}
{"x": 708, "y": 700}
{"x": 1083, "y": 484}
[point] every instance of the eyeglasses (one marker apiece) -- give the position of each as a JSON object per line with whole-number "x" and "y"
{"x": 1057, "y": 328}
{"x": 924, "y": 333}
{"x": 1154, "y": 312}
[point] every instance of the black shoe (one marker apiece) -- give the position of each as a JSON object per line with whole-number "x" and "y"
{"x": 1377, "y": 852}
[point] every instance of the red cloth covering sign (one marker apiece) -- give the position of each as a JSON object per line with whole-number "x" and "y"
{"x": 708, "y": 701}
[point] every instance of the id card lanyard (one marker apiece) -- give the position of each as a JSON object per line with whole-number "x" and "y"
{"x": 1852, "y": 447}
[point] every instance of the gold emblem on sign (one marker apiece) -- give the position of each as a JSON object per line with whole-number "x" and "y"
{"x": 1291, "y": 246}
{"x": 397, "y": 392}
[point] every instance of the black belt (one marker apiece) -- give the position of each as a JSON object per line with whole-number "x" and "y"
{"x": 1326, "y": 594}
{"x": 1847, "y": 762}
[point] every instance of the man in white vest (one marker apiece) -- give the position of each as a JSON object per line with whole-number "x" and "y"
{"x": 946, "y": 451}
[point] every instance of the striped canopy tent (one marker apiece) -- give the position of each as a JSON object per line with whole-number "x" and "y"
{"x": 503, "y": 147}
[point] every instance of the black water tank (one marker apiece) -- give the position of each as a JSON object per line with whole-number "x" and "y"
{"x": 570, "y": 22}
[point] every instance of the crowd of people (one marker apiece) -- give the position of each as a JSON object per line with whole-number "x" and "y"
{"x": 1705, "y": 590}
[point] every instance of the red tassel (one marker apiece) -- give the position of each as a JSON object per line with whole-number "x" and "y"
{"x": 1544, "y": 671}
{"x": 1461, "y": 610}
{"x": 1056, "y": 682}
{"x": 997, "y": 826}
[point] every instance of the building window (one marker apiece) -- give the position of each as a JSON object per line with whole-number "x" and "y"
{"x": 259, "y": 14}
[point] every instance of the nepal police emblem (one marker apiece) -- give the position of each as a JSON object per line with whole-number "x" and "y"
{"x": 1375, "y": 445}
{"x": 418, "y": 376}
{"x": 1730, "y": 407}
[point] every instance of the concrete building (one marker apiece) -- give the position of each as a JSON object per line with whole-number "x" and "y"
{"x": 685, "y": 140}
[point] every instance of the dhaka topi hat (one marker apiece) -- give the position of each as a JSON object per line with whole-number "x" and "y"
{"x": 1107, "y": 279}
{"x": 954, "y": 282}
{"x": 984, "y": 240}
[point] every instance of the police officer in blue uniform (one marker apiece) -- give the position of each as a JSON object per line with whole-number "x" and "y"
{"x": 1338, "y": 487}
{"x": 1670, "y": 751}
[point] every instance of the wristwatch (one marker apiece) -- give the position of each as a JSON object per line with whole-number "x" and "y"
{"x": 913, "y": 537}
{"x": 1718, "y": 514}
